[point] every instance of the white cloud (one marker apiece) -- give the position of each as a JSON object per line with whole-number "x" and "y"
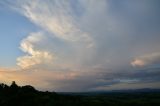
{"x": 138, "y": 62}
{"x": 57, "y": 18}
{"x": 148, "y": 59}
{"x": 36, "y": 55}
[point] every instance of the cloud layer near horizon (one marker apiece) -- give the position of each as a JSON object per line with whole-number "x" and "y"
{"x": 85, "y": 45}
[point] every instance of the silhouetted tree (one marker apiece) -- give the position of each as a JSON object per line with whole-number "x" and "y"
{"x": 14, "y": 85}
{"x": 28, "y": 88}
{"x": 14, "y": 88}
{"x": 3, "y": 86}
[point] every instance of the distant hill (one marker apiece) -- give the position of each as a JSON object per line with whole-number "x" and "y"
{"x": 138, "y": 90}
{"x": 93, "y": 93}
{"x": 15, "y": 95}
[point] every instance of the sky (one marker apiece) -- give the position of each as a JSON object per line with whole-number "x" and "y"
{"x": 80, "y": 45}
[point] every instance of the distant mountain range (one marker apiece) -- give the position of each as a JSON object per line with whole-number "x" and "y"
{"x": 138, "y": 90}
{"x": 91, "y": 93}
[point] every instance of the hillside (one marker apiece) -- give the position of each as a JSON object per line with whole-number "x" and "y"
{"x": 15, "y": 95}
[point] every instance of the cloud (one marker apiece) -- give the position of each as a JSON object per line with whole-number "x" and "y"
{"x": 88, "y": 45}
{"x": 138, "y": 62}
{"x": 35, "y": 55}
{"x": 57, "y": 18}
{"x": 59, "y": 80}
{"x": 145, "y": 60}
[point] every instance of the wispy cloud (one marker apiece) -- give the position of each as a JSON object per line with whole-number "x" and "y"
{"x": 144, "y": 60}
{"x": 55, "y": 17}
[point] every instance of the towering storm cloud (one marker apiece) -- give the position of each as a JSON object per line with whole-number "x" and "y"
{"x": 83, "y": 45}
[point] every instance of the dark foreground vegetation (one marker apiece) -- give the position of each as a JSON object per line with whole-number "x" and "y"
{"x": 15, "y": 95}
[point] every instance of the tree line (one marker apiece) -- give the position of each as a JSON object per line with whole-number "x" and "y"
{"x": 15, "y": 95}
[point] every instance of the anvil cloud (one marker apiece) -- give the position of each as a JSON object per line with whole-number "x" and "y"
{"x": 84, "y": 45}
